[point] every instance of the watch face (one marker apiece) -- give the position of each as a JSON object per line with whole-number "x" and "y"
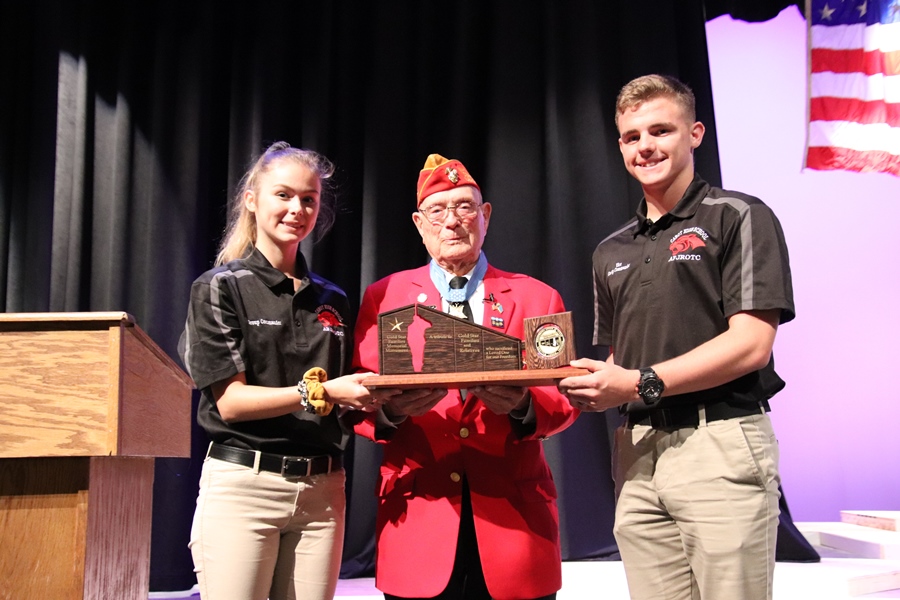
{"x": 651, "y": 387}
{"x": 652, "y": 390}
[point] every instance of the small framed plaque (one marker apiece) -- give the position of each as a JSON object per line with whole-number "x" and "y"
{"x": 423, "y": 347}
{"x": 549, "y": 341}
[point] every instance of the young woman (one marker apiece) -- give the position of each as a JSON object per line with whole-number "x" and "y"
{"x": 268, "y": 343}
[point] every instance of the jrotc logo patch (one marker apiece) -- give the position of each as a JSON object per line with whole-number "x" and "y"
{"x": 330, "y": 319}
{"x": 685, "y": 242}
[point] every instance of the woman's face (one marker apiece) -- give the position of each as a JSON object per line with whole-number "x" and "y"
{"x": 285, "y": 204}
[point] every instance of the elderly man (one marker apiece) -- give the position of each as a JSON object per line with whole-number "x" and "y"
{"x": 467, "y": 503}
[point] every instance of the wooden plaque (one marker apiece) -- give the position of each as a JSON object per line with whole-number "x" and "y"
{"x": 423, "y": 347}
{"x": 419, "y": 339}
{"x": 518, "y": 378}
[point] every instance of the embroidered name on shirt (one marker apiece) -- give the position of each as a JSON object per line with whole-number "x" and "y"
{"x": 258, "y": 322}
{"x": 619, "y": 267}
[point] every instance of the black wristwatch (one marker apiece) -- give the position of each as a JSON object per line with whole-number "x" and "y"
{"x": 650, "y": 387}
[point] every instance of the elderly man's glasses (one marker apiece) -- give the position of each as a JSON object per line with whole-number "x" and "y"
{"x": 438, "y": 213}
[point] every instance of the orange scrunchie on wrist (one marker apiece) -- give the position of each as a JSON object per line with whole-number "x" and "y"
{"x": 314, "y": 379}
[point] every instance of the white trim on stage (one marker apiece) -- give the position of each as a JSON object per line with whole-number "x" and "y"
{"x": 605, "y": 580}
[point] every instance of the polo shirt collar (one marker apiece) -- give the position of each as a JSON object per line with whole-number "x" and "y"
{"x": 271, "y": 276}
{"x": 685, "y": 209}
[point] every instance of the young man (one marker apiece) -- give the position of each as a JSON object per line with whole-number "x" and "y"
{"x": 467, "y": 504}
{"x": 688, "y": 297}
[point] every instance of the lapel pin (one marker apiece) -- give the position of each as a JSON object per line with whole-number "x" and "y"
{"x": 496, "y": 321}
{"x": 422, "y": 298}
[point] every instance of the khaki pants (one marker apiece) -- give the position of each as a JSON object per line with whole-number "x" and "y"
{"x": 697, "y": 509}
{"x": 259, "y": 535}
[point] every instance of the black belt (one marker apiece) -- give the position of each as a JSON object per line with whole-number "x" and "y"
{"x": 286, "y": 466}
{"x": 676, "y": 417}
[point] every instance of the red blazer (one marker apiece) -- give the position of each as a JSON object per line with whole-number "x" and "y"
{"x": 512, "y": 489}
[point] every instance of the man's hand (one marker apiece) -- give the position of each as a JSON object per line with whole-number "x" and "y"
{"x": 501, "y": 399}
{"x": 607, "y": 385}
{"x": 409, "y": 403}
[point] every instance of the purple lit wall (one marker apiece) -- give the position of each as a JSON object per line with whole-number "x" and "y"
{"x": 838, "y": 419}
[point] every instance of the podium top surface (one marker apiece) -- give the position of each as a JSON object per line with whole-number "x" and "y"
{"x": 68, "y": 317}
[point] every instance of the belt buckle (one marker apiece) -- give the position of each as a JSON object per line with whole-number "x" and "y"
{"x": 287, "y": 461}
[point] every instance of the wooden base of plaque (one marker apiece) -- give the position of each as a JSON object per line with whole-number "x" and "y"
{"x": 521, "y": 378}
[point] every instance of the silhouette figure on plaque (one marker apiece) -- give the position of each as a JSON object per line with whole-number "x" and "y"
{"x": 415, "y": 338}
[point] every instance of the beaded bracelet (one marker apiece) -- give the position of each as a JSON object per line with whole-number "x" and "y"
{"x": 304, "y": 397}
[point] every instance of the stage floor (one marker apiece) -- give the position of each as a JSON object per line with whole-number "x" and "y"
{"x": 605, "y": 580}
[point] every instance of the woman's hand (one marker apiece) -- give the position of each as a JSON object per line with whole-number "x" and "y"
{"x": 348, "y": 391}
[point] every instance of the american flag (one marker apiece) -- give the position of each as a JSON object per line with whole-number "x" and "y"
{"x": 854, "y": 85}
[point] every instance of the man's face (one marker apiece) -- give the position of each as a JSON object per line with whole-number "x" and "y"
{"x": 454, "y": 243}
{"x": 657, "y": 142}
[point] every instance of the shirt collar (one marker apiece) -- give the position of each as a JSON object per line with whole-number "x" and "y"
{"x": 271, "y": 276}
{"x": 685, "y": 209}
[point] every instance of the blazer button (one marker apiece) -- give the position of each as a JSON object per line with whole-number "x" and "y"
{"x": 455, "y": 477}
{"x": 464, "y": 433}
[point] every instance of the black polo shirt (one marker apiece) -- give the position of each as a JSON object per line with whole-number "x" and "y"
{"x": 244, "y": 317}
{"x": 662, "y": 289}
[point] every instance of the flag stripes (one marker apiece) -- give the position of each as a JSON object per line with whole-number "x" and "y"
{"x": 854, "y": 85}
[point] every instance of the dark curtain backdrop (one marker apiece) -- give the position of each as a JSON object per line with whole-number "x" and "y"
{"x": 125, "y": 125}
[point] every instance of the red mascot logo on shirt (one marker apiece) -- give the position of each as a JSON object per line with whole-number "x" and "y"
{"x": 684, "y": 243}
{"x": 330, "y": 320}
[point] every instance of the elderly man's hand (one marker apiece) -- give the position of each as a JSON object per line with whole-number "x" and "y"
{"x": 412, "y": 403}
{"x": 501, "y": 399}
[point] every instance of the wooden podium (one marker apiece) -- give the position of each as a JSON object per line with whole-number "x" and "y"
{"x": 87, "y": 400}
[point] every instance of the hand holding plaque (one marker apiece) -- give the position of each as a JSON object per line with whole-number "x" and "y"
{"x": 424, "y": 347}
